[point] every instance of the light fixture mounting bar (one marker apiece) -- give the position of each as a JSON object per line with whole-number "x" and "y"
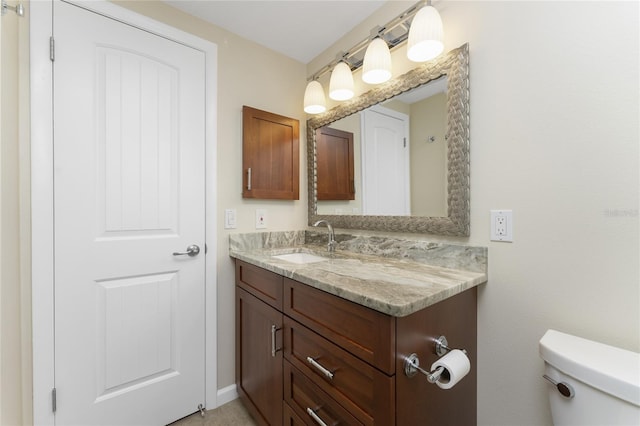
{"x": 403, "y": 19}
{"x": 18, "y": 9}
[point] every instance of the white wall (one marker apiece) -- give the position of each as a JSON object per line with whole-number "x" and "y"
{"x": 554, "y": 136}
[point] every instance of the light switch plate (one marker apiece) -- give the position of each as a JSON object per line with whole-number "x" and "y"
{"x": 502, "y": 225}
{"x": 230, "y": 219}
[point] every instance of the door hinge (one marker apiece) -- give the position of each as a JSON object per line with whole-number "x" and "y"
{"x": 54, "y": 401}
{"x": 404, "y": 143}
{"x": 52, "y": 49}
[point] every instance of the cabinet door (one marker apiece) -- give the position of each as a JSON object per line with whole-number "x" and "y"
{"x": 258, "y": 366}
{"x": 270, "y": 155}
{"x": 335, "y": 164}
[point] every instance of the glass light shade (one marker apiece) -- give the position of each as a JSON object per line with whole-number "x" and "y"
{"x": 314, "y": 100}
{"x": 341, "y": 83}
{"x": 377, "y": 62}
{"x": 425, "y": 35}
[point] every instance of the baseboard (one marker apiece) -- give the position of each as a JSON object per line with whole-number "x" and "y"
{"x": 227, "y": 394}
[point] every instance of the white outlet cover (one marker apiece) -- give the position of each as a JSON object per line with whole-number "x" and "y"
{"x": 502, "y": 225}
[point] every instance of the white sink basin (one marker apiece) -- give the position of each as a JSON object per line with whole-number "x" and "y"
{"x": 300, "y": 258}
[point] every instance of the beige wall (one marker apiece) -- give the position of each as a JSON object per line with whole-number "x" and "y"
{"x": 554, "y": 136}
{"x": 15, "y": 311}
{"x": 429, "y": 159}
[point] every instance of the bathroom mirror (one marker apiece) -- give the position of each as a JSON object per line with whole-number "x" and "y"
{"x": 452, "y": 70}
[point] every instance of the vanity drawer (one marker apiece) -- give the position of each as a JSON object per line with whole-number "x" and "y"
{"x": 366, "y": 333}
{"x": 290, "y": 417}
{"x": 263, "y": 284}
{"x": 302, "y": 395}
{"x": 367, "y": 393}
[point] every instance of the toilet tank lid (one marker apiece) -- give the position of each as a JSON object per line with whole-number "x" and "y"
{"x": 612, "y": 370}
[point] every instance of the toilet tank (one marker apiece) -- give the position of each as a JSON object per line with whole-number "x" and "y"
{"x": 605, "y": 381}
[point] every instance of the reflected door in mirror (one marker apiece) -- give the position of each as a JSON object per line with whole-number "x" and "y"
{"x": 335, "y": 164}
{"x": 385, "y": 163}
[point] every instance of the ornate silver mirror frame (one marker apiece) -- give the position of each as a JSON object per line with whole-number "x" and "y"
{"x": 455, "y": 65}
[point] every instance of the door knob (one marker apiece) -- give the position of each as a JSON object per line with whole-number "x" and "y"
{"x": 192, "y": 251}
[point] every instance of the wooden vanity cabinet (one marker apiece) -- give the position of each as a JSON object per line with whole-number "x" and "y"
{"x": 339, "y": 362}
{"x": 418, "y": 401}
{"x": 259, "y": 375}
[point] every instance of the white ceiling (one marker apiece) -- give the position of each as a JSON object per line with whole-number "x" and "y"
{"x": 299, "y": 29}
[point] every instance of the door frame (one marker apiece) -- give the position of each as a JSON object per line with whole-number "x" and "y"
{"x": 42, "y": 172}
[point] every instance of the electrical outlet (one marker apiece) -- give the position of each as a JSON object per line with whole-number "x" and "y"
{"x": 261, "y": 218}
{"x": 230, "y": 219}
{"x": 502, "y": 225}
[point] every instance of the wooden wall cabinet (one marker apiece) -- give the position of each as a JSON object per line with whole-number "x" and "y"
{"x": 337, "y": 362}
{"x": 270, "y": 155}
{"x": 335, "y": 164}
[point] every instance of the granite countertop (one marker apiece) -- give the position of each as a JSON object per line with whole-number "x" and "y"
{"x": 387, "y": 275}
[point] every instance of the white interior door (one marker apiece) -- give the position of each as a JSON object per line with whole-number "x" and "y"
{"x": 129, "y": 142}
{"x": 385, "y": 163}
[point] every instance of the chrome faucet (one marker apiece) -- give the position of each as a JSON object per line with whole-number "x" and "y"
{"x": 331, "y": 246}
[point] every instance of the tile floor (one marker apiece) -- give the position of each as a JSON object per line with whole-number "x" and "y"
{"x": 229, "y": 414}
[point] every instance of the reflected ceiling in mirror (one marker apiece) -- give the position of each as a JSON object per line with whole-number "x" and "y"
{"x": 451, "y": 217}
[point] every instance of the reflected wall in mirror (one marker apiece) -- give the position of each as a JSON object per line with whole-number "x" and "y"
{"x": 420, "y": 187}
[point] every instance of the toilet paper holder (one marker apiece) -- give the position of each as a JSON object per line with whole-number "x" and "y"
{"x": 412, "y": 362}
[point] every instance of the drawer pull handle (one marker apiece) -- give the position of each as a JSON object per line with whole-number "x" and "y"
{"x": 320, "y": 368}
{"x": 273, "y": 340}
{"x": 315, "y": 417}
{"x": 249, "y": 179}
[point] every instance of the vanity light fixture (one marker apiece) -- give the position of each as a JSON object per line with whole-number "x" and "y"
{"x": 421, "y": 25}
{"x": 377, "y": 62}
{"x": 425, "y": 35}
{"x": 341, "y": 83}
{"x": 314, "y": 100}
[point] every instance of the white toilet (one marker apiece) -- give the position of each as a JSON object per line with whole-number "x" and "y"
{"x": 600, "y": 383}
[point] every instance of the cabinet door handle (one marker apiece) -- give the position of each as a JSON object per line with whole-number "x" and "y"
{"x": 249, "y": 179}
{"x": 315, "y": 417}
{"x": 273, "y": 340}
{"x": 320, "y": 368}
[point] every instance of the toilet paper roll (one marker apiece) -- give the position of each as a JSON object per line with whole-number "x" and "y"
{"x": 456, "y": 365}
